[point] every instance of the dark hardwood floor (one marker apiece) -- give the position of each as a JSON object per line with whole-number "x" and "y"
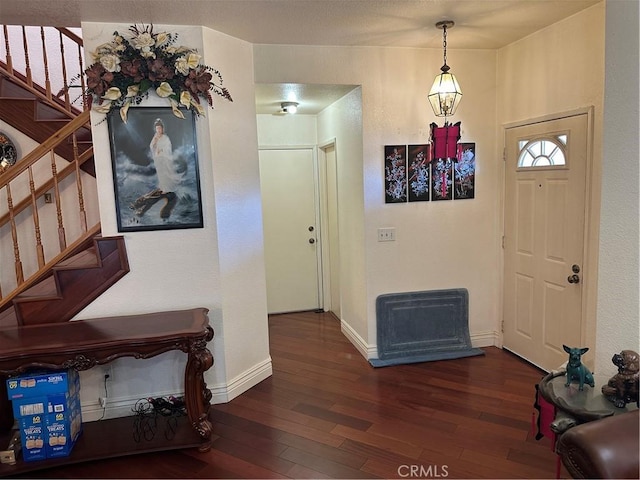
{"x": 326, "y": 413}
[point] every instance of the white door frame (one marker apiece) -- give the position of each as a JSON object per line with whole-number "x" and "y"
{"x": 318, "y": 232}
{"x": 591, "y": 226}
{"x": 330, "y": 303}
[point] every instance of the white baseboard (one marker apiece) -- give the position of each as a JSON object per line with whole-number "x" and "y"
{"x": 126, "y": 405}
{"x": 118, "y": 406}
{"x": 241, "y": 383}
{"x": 366, "y": 350}
{"x": 485, "y": 339}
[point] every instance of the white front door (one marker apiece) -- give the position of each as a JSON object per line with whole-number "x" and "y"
{"x": 544, "y": 238}
{"x": 287, "y": 182}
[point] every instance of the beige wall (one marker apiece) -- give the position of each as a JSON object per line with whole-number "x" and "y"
{"x": 618, "y": 285}
{"x": 439, "y": 244}
{"x": 220, "y": 266}
{"x": 536, "y": 78}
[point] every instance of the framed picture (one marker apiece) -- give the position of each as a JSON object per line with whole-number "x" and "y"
{"x": 155, "y": 170}
{"x": 419, "y": 159}
{"x": 395, "y": 173}
{"x": 442, "y": 179}
{"x": 465, "y": 171}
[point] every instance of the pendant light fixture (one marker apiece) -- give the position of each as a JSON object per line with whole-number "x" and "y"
{"x": 445, "y": 93}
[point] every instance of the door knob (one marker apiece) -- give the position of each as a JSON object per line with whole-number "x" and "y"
{"x": 312, "y": 240}
{"x": 573, "y": 279}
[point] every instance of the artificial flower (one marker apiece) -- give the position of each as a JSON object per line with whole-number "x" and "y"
{"x": 132, "y": 91}
{"x": 129, "y": 67}
{"x": 187, "y": 62}
{"x": 110, "y": 62}
{"x": 164, "y": 90}
{"x": 103, "y": 107}
{"x": 176, "y": 110}
{"x": 185, "y": 98}
{"x": 112, "y": 94}
{"x": 123, "y": 111}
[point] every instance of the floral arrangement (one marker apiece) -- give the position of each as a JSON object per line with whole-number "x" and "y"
{"x": 125, "y": 70}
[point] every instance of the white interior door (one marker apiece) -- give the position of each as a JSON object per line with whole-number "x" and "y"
{"x": 287, "y": 182}
{"x": 544, "y": 238}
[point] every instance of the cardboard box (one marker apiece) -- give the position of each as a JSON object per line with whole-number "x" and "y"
{"x": 63, "y": 429}
{"x": 32, "y": 435}
{"x": 24, "y": 407}
{"x": 33, "y": 385}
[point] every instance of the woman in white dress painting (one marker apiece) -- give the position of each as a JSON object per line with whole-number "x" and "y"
{"x": 169, "y": 177}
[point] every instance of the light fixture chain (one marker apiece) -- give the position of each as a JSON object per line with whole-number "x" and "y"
{"x": 444, "y": 42}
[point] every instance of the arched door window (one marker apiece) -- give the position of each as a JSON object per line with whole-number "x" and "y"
{"x": 542, "y": 152}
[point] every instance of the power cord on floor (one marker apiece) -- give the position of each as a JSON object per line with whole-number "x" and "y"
{"x": 147, "y": 412}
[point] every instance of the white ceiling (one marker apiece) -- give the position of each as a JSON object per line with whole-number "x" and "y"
{"x": 479, "y": 24}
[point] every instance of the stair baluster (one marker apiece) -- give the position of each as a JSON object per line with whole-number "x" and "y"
{"x": 14, "y": 238}
{"x": 83, "y": 212}
{"x": 45, "y": 59}
{"x": 36, "y": 220}
{"x": 7, "y": 49}
{"x": 27, "y": 63}
{"x": 62, "y": 239}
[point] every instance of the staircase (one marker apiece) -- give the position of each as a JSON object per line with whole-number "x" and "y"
{"x": 50, "y": 222}
{"x": 37, "y": 119}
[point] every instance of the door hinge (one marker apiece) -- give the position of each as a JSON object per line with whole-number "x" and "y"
{"x": 502, "y": 326}
{"x": 503, "y": 242}
{"x": 504, "y": 154}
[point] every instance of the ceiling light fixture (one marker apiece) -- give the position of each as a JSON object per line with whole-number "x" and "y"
{"x": 445, "y": 93}
{"x": 289, "y": 107}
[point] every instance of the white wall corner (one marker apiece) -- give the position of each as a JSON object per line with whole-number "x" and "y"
{"x": 224, "y": 393}
{"x": 366, "y": 350}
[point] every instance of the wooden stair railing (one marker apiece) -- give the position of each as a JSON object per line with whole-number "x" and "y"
{"x": 30, "y": 228}
{"x": 20, "y": 62}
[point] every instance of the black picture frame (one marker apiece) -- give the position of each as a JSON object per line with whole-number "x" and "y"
{"x": 395, "y": 173}
{"x": 158, "y": 191}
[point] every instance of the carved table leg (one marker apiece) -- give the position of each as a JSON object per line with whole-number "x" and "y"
{"x": 197, "y": 396}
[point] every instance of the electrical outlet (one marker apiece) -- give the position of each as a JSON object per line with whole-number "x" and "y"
{"x": 386, "y": 234}
{"x": 103, "y": 402}
{"x": 107, "y": 372}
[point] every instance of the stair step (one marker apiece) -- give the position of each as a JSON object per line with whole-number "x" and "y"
{"x": 49, "y": 114}
{"x": 8, "y": 318}
{"x": 74, "y": 283}
{"x": 9, "y": 89}
{"x": 85, "y": 259}
{"x": 45, "y": 289}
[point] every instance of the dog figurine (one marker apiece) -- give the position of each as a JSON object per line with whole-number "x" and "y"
{"x": 622, "y": 388}
{"x": 576, "y": 370}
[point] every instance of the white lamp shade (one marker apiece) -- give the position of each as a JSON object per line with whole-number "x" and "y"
{"x": 445, "y": 94}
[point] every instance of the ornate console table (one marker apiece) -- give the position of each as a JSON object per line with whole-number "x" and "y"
{"x": 84, "y": 344}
